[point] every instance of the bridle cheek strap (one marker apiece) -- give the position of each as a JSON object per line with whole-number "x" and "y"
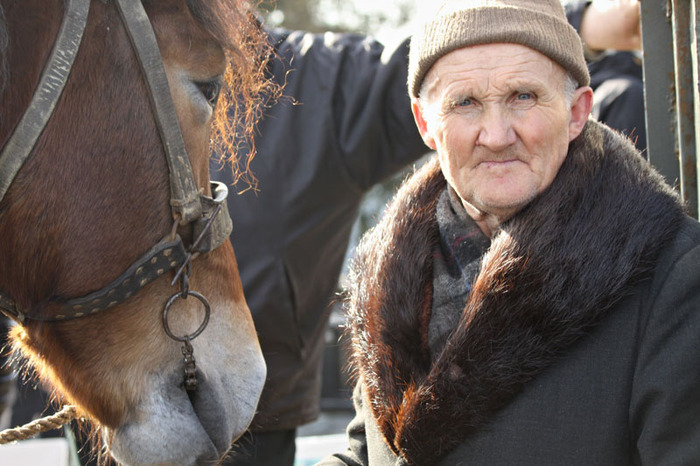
{"x": 184, "y": 196}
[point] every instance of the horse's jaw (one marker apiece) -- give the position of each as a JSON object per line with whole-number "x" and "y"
{"x": 172, "y": 427}
{"x": 172, "y": 430}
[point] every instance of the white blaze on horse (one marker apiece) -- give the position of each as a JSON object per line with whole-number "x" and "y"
{"x": 114, "y": 251}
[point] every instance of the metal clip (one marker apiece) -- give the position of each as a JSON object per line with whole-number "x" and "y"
{"x": 187, "y": 350}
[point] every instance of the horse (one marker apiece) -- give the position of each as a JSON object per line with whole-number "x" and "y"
{"x": 114, "y": 254}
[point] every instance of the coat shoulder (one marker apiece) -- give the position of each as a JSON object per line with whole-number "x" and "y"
{"x": 686, "y": 242}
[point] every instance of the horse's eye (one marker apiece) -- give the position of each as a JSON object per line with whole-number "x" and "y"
{"x": 210, "y": 90}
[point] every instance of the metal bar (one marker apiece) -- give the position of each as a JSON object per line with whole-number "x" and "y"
{"x": 695, "y": 56}
{"x": 684, "y": 103}
{"x": 657, "y": 42}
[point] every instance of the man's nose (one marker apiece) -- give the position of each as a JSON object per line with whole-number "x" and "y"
{"x": 496, "y": 132}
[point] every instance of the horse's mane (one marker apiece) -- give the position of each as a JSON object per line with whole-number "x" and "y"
{"x": 248, "y": 90}
{"x": 3, "y": 50}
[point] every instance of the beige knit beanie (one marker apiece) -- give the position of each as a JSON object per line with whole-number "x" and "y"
{"x": 538, "y": 24}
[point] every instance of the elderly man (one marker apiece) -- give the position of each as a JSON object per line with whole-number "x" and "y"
{"x": 533, "y": 295}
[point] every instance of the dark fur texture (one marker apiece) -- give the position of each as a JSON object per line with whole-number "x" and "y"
{"x": 552, "y": 272}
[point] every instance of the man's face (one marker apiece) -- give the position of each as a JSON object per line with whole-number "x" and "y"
{"x": 499, "y": 119}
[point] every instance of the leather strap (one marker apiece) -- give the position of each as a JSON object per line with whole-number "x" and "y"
{"x": 160, "y": 259}
{"x": 53, "y": 80}
{"x": 7, "y": 307}
{"x": 165, "y": 256}
{"x": 184, "y": 195}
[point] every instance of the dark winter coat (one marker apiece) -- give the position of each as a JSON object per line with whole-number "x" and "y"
{"x": 579, "y": 341}
{"x": 343, "y": 125}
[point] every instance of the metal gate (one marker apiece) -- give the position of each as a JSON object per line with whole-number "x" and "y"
{"x": 672, "y": 96}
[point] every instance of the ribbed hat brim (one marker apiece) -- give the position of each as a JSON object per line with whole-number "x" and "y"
{"x": 547, "y": 33}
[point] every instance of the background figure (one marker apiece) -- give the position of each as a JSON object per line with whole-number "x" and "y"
{"x": 611, "y": 33}
{"x": 618, "y": 94}
{"x": 343, "y": 125}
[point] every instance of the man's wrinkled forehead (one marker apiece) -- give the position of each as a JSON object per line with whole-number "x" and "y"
{"x": 463, "y": 63}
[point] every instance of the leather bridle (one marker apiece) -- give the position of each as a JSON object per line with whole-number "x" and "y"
{"x": 208, "y": 216}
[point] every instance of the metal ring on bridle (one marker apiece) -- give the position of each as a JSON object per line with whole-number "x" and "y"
{"x": 195, "y": 334}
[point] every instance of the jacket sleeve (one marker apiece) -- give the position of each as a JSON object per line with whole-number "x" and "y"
{"x": 665, "y": 402}
{"x": 351, "y": 91}
{"x": 356, "y": 453}
{"x": 375, "y": 126}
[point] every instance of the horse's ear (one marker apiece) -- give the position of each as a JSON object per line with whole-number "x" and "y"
{"x": 422, "y": 124}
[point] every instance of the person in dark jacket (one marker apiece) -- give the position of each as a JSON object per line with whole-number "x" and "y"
{"x": 614, "y": 62}
{"x": 531, "y": 295}
{"x": 342, "y": 125}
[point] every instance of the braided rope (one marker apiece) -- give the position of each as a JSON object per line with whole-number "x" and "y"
{"x": 56, "y": 421}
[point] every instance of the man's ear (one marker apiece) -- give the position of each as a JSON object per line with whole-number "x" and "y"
{"x": 421, "y": 123}
{"x": 581, "y": 105}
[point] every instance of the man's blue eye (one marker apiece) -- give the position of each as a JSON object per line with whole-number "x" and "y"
{"x": 465, "y": 102}
{"x": 524, "y": 96}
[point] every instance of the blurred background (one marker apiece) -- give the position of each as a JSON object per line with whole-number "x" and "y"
{"x": 386, "y": 19}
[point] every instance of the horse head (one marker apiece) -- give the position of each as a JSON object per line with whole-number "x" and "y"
{"x": 82, "y": 215}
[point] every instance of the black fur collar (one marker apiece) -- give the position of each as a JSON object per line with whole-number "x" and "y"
{"x": 538, "y": 291}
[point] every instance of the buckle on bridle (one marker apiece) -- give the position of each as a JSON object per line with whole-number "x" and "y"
{"x": 211, "y": 229}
